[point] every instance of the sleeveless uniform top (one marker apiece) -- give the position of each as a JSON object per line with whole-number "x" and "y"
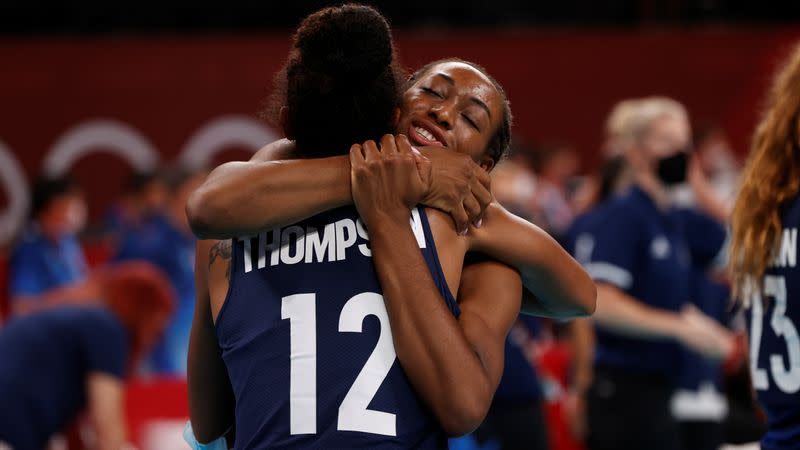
{"x": 774, "y": 317}
{"x": 306, "y": 338}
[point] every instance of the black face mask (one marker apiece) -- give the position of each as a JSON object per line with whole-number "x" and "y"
{"x": 672, "y": 169}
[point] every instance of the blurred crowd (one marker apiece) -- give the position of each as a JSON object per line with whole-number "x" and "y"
{"x": 681, "y": 179}
{"x": 48, "y": 266}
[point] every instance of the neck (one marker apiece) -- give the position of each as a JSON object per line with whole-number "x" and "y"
{"x": 654, "y": 189}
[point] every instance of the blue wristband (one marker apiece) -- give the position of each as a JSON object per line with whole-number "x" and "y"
{"x": 188, "y": 436}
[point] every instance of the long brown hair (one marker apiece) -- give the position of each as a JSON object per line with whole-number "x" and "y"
{"x": 771, "y": 177}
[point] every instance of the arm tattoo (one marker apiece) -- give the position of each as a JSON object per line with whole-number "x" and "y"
{"x": 222, "y": 249}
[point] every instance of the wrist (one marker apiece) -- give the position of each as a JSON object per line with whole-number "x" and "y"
{"x": 387, "y": 218}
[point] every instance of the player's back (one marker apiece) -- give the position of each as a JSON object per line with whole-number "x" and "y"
{"x": 306, "y": 338}
{"x": 775, "y": 343}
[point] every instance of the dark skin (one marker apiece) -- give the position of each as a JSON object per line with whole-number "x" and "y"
{"x": 433, "y": 346}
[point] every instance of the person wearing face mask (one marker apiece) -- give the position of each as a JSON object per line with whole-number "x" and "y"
{"x": 47, "y": 266}
{"x": 643, "y": 254}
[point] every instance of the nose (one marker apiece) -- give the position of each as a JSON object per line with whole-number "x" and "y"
{"x": 443, "y": 114}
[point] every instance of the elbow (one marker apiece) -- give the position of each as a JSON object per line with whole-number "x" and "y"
{"x": 588, "y": 300}
{"x": 200, "y": 212}
{"x": 464, "y": 415}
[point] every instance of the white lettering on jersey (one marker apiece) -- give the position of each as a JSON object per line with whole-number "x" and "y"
{"x": 362, "y": 233}
{"x": 294, "y": 245}
{"x": 287, "y": 242}
{"x": 345, "y": 237}
{"x": 786, "y": 253}
{"x": 320, "y": 249}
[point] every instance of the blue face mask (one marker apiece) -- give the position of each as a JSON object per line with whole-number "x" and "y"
{"x": 672, "y": 169}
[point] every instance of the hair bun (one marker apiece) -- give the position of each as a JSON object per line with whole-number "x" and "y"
{"x": 349, "y": 42}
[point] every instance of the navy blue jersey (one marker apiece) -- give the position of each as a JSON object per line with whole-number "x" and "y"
{"x": 45, "y": 359}
{"x": 306, "y": 339}
{"x": 629, "y": 243}
{"x": 774, "y": 340}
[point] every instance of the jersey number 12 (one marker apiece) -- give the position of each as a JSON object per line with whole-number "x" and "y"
{"x": 301, "y": 309}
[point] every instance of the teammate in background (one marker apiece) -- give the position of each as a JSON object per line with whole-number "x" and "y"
{"x": 47, "y": 267}
{"x": 450, "y": 77}
{"x": 763, "y": 261}
{"x": 636, "y": 248}
{"x": 58, "y": 363}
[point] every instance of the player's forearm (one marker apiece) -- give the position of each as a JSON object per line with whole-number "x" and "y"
{"x": 243, "y": 198}
{"x": 618, "y": 312}
{"x": 561, "y": 288}
{"x": 429, "y": 342}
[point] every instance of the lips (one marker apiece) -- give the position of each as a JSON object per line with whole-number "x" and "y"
{"x": 426, "y": 135}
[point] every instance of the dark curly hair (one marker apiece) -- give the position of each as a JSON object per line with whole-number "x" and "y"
{"x": 340, "y": 84}
{"x": 501, "y": 140}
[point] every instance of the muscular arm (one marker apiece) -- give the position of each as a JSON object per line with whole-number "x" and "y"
{"x": 432, "y": 345}
{"x": 211, "y": 401}
{"x": 243, "y": 198}
{"x": 560, "y": 286}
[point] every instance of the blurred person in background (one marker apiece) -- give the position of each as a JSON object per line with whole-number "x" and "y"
{"x": 711, "y": 177}
{"x": 555, "y": 166}
{"x": 514, "y": 183}
{"x": 143, "y": 201}
{"x": 763, "y": 262}
{"x": 636, "y": 248}
{"x": 165, "y": 240}
{"x": 47, "y": 267}
{"x": 535, "y": 184}
{"x": 60, "y": 362}
{"x": 613, "y": 176}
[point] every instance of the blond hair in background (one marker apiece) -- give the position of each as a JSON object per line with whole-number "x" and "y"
{"x": 771, "y": 177}
{"x": 616, "y": 126}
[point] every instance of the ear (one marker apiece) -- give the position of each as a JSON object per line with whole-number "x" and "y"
{"x": 284, "y": 118}
{"x": 487, "y": 163}
{"x": 396, "y": 120}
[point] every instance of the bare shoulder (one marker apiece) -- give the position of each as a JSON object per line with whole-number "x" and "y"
{"x": 275, "y": 151}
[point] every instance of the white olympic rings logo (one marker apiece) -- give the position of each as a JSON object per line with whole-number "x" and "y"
{"x": 127, "y": 143}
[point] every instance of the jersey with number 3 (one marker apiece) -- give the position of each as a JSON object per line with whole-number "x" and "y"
{"x": 306, "y": 339}
{"x": 774, "y": 339}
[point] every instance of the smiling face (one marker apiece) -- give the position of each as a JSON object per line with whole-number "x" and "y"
{"x": 453, "y": 105}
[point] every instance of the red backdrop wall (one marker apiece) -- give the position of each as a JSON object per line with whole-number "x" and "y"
{"x": 561, "y": 84}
